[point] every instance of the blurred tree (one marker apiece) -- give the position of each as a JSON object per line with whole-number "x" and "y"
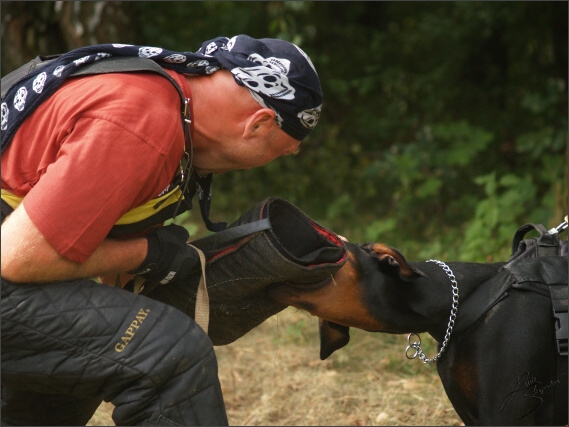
{"x": 32, "y": 28}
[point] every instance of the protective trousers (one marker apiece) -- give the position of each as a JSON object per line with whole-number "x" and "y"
{"x": 66, "y": 346}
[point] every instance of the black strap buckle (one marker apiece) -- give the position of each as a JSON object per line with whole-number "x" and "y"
{"x": 561, "y": 332}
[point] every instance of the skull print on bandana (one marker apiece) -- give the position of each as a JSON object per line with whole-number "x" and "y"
{"x": 38, "y": 83}
{"x": 270, "y": 78}
{"x": 264, "y": 81}
{"x": 20, "y": 99}
{"x": 278, "y": 74}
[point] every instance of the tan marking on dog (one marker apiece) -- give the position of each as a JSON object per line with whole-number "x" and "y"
{"x": 338, "y": 301}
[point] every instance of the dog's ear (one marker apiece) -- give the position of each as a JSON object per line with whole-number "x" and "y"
{"x": 394, "y": 260}
{"x": 332, "y": 337}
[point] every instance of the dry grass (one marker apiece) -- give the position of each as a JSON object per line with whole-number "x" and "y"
{"x": 273, "y": 376}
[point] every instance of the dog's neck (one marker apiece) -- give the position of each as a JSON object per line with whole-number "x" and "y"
{"x": 427, "y": 300}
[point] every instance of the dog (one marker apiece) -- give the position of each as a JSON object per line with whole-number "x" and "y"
{"x": 499, "y": 370}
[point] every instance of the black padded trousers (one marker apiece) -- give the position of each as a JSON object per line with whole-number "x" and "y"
{"x": 67, "y": 346}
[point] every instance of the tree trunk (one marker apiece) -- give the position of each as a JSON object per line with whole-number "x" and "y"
{"x": 49, "y": 27}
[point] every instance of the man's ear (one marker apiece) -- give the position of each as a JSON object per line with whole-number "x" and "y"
{"x": 259, "y": 123}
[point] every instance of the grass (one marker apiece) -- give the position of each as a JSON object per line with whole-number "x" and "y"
{"x": 274, "y": 376}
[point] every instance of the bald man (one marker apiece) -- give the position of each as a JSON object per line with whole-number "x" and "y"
{"x": 92, "y": 165}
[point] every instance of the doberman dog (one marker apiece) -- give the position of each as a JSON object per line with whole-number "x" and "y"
{"x": 500, "y": 370}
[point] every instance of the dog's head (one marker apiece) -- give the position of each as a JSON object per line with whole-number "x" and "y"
{"x": 352, "y": 296}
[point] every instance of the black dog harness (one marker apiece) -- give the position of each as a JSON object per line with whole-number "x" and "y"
{"x": 538, "y": 265}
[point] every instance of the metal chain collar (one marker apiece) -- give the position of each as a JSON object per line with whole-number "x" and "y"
{"x": 416, "y": 345}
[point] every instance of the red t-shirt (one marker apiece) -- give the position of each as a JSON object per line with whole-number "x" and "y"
{"x": 99, "y": 147}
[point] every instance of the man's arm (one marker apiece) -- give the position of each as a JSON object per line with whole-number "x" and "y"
{"x": 26, "y": 256}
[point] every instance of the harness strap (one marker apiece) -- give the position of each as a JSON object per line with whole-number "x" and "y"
{"x": 124, "y": 64}
{"x": 231, "y": 235}
{"x": 559, "y": 303}
{"x": 131, "y": 64}
{"x": 485, "y": 296}
{"x": 201, "y": 315}
{"x": 15, "y": 76}
{"x": 547, "y": 243}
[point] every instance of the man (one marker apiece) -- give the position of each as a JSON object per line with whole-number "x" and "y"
{"x": 87, "y": 171}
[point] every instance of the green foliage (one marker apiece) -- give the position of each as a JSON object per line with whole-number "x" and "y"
{"x": 488, "y": 236}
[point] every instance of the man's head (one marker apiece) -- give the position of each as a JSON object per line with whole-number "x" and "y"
{"x": 279, "y": 75}
{"x": 231, "y": 129}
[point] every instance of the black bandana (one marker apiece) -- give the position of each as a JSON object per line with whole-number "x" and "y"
{"x": 279, "y": 75}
